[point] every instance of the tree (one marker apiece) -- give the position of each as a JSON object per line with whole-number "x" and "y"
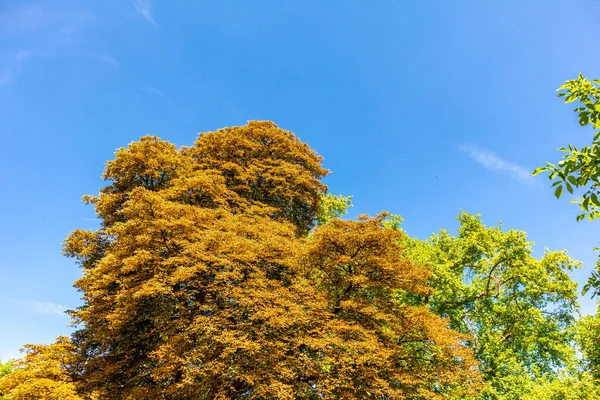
{"x": 383, "y": 346}
{"x": 580, "y": 168}
{"x": 518, "y": 309}
{"x": 202, "y": 283}
{"x": 43, "y": 374}
{"x": 187, "y": 283}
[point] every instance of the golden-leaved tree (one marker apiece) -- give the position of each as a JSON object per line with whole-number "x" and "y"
{"x": 44, "y": 373}
{"x": 203, "y": 282}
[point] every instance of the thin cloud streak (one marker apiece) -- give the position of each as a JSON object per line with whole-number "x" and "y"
{"x": 156, "y": 92}
{"x": 102, "y": 57}
{"x": 144, "y": 7}
{"x": 45, "y": 308}
{"x": 47, "y": 28}
{"x": 493, "y": 162}
{"x": 47, "y": 24}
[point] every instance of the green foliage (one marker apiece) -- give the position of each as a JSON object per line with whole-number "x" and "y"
{"x": 5, "y": 369}
{"x": 393, "y": 222}
{"x": 580, "y": 168}
{"x": 517, "y": 308}
{"x": 332, "y": 206}
{"x": 566, "y": 386}
{"x": 588, "y": 338}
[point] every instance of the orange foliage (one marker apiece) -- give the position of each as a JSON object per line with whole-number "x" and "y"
{"x": 203, "y": 284}
{"x": 375, "y": 344}
{"x": 267, "y": 166}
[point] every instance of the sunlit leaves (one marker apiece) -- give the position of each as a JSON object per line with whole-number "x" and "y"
{"x": 360, "y": 269}
{"x": 203, "y": 283}
{"x": 517, "y": 308}
{"x": 44, "y": 373}
{"x": 333, "y": 206}
{"x": 580, "y": 168}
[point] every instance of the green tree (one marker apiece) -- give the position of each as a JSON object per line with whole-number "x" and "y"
{"x": 579, "y": 170}
{"x": 517, "y": 308}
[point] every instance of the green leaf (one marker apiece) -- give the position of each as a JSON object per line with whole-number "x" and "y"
{"x": 595, "y": 199}
{"x": 558, "y": 191}
{"x": 586, "y": 204}
{"x": 569, "y": 188}
{"x": 572, "y": 179}
{"x": 580, "y": 217}
{"x": 538, "y": 170}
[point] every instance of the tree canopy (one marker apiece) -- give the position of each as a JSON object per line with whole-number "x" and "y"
{"x": 203, "y": 282}
{"x": 517, "y": 309}
{"x": 44, "y": 373}
{"x": 223, "y": 270}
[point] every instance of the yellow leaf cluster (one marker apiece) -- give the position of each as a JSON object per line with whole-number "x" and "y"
{"x": 43, "y": 374}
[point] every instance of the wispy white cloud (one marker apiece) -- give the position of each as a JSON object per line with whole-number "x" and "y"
{"x": 493, "y": 162}
{"x": 46, "y": 27}
{"x": 45, "y": 308}
{"x": 101, "y": 57}
{"x": 42, "y": 21}
{"x": 156, "y": 92}
{"x": 144, "y": 7}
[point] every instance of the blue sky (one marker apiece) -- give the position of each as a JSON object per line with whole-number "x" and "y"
{"x": 419, "y": 108}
